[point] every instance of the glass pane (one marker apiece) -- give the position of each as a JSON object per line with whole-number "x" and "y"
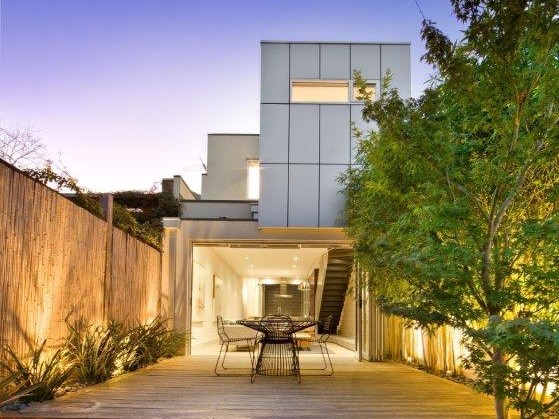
{"x": 319, "y": 91}
{"x": 370, "y": 91}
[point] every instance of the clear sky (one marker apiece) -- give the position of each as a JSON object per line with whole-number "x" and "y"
{"x": 126, "y": 91}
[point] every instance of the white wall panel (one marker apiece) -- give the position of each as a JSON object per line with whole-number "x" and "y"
{"x": 331, "y": 200}
{"x": 397, "y": 59}
{"x": 274, "y": 133}
{"x": 272, "y": 207}
{"x": 334, "y": 61}
{"x": 303, "y": 195}
{"x": 366, "y": 58}
{"x": 304, "y": 61}
{"x": 334, "y": 134}
{"x": 303, "y": 134}
{"x": 275, "y": 73}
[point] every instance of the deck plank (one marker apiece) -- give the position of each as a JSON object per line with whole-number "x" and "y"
{"x": 185, "y": 387}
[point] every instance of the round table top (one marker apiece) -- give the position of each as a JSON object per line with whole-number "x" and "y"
{"x": 271, "y": 324}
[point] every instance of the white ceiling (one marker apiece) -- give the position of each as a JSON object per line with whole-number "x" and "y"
{"x": 272, "y": 263}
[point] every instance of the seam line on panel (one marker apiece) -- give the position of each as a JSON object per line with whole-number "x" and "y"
{"x": 319, "y": 161}
{"x": 319, "y": 61}
{"x": 350, "y": 71}
{"x": 380, "y": 67}
{"x": 288, "y": 132}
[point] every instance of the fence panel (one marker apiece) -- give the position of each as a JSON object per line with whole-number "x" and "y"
{"x": 52, "y": 265}
{"x": 135, "y": 281}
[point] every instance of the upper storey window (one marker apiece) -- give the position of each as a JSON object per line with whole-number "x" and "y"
{"x": 328, "y": 91}
{"x": 319, "y": 91}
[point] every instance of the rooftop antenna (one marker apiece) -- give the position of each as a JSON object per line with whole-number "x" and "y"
{"x": 203, "y": 164}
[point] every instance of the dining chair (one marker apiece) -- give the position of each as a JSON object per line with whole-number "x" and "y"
{"x": 278, "y": 350}
{"x": 322, "y": 340}
{"x": 225, "y": 340}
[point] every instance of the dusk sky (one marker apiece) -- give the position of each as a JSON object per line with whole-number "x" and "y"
{"x": 126, "y": 91}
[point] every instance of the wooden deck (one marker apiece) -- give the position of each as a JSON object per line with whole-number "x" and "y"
{"x": 186, "y": 387}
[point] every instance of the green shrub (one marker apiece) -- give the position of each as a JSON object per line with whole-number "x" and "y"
{"x": 95, "y": 351}
{"x": 38, "y": 377}
{"x": 147, "y": 343}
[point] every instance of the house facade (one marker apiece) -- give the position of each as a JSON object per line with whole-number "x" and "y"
{"x": 309, "y": 106}
{"x": 270, "y": 210}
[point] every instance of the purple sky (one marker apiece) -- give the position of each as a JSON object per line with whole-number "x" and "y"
{"x": 125, "y": 91}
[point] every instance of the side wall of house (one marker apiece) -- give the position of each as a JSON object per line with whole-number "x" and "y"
{"x": 226, "y": 177}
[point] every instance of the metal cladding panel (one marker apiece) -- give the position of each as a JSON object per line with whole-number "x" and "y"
{"x": 303, "y": 195}
{"x": 274, "y": 133}
{"x": 332, "y": 201}
{"x": 304, "y": 61}
{"x": 275, "y": 73}
{"x": 303, "y": 134}
{"x": 334, "y": 61}
{"x": 361, "y": 125}
{"x": 272, "y": 205}
{"x": 366, "y": 58}
{"x": 334, "y": 134}
{"x": 397, "y": 59}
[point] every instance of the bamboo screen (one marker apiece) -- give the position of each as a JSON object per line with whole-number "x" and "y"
{"x": 52, "y": 266}
{"x": 439, "y": 351}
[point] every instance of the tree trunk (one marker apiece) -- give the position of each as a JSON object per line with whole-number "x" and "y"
{"x": 501, "y": 411}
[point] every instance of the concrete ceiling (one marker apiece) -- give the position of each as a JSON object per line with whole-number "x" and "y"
{"x": 272, "y": 263}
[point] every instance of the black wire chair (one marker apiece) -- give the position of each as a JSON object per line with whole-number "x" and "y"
{"x": 322, "y": 340}
{"x": 225, "y": 340}
{"x": 278, "y": 349}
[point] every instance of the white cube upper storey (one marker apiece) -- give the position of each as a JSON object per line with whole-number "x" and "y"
{"x": 309, "y": 105}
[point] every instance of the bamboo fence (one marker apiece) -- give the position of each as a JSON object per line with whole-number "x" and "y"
{"x": 438, "y": 351}
{"x": 53, "y": 266}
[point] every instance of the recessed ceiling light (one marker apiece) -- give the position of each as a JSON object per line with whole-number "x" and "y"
{"x": 252, "y": 265}
{"x": 295, "y": 258}
{"x": 294, "y": 266}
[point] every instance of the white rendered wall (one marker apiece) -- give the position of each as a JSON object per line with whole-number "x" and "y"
{"x": 212, "y": 298}
{"x": 226, "y": 178}
{"x": 305, "y": 147}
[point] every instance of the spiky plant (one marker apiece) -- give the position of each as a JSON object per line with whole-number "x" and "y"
{"x": 37, "y": 377}
{"x": 95, "y": 350}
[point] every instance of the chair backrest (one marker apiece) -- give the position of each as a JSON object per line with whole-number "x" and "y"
{"x": 276, "y": 326}
{"x": 221, "y": 330}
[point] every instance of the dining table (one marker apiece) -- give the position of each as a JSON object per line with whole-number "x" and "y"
{"x": 278, "y": 353}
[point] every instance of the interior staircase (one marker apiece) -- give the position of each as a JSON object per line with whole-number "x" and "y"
{"x": 336, "y": 282}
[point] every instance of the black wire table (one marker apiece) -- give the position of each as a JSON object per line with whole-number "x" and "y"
{"x": 278, "y": 353}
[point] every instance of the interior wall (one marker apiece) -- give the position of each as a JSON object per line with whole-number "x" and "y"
{"x": 287, "y": 306}
{"x": 252, "y": 298}
{"x": 216, "y": 290}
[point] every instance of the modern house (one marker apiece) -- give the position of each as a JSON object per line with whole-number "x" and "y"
{"x": 266, "y": 233}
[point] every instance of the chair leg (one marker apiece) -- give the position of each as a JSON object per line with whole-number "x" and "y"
{"x": 329, "y": 360}
{"x": 218, "y": 357}
{"x": 323, "y": 357}
{"x": 224, "y": 355}
{"x": 296, "y": 367}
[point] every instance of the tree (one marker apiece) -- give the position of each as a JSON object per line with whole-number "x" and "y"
{"x": 21, "y": 148}
{"x": 455, "y": 209}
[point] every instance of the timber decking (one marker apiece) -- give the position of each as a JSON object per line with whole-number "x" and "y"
{"x": 185, "y": 387}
